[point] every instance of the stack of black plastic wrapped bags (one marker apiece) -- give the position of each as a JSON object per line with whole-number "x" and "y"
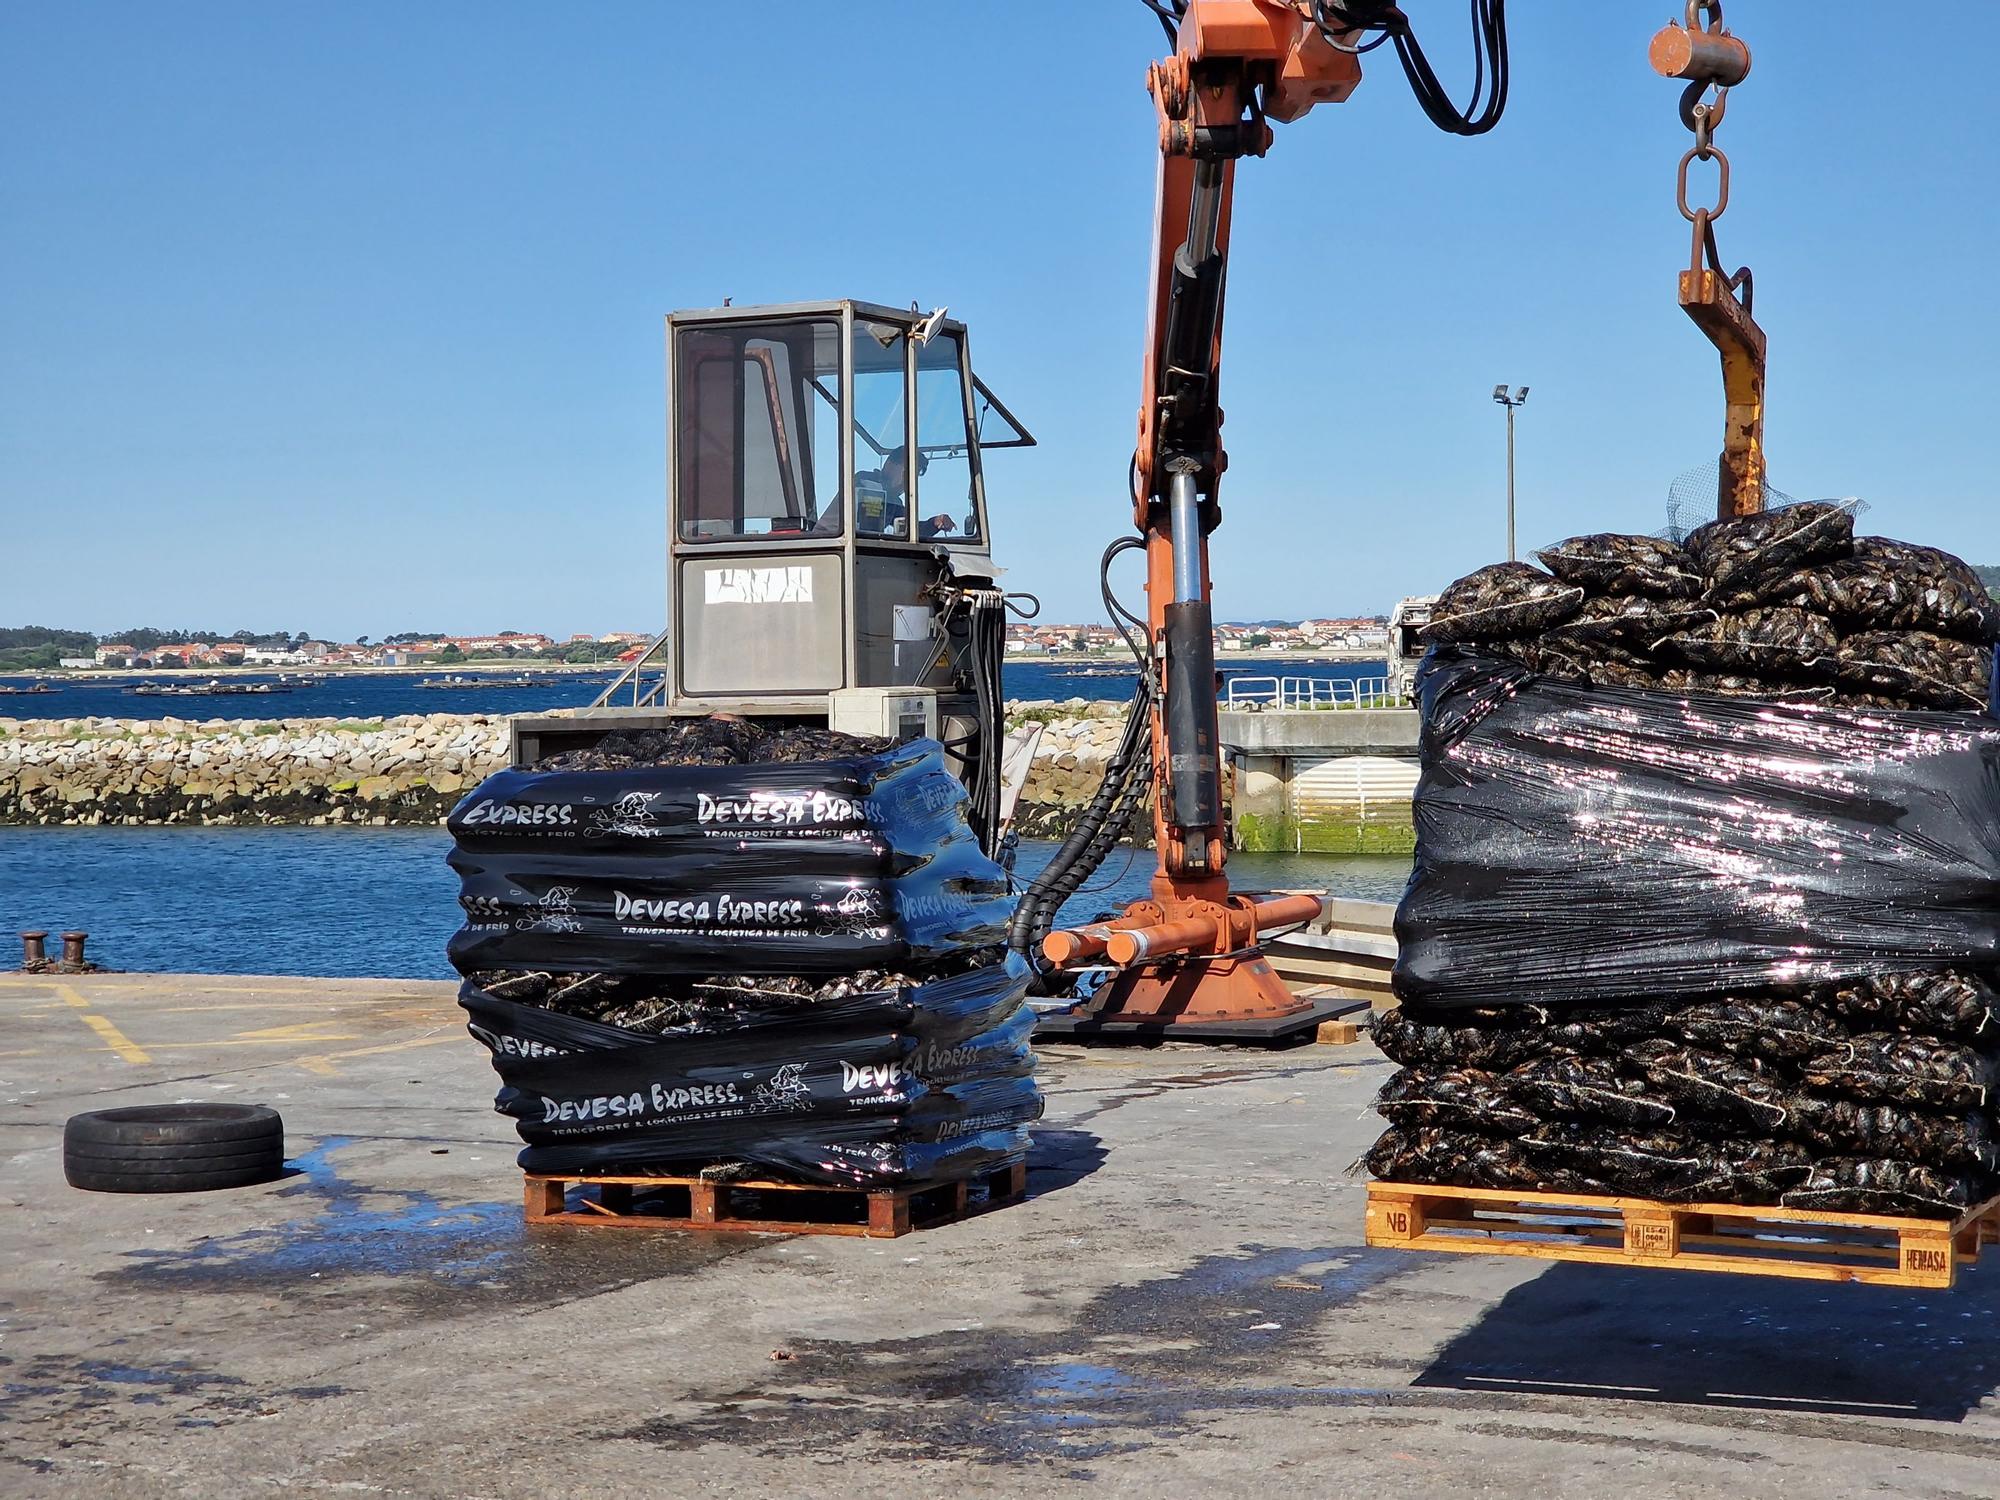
{"x": 723, "y": 947}
{"x": 1706, "y": 905}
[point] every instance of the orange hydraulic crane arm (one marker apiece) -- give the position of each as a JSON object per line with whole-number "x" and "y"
{"x": 1236, "y": 65}
{"x": 1188, "y": 957}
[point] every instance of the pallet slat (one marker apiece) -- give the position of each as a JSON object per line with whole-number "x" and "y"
{"x": 761, "y": 1207}
{"x": 1798, "y": 1243}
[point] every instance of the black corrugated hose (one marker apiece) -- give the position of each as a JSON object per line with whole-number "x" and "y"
{"x": 1127, "y": 778}
{"x": 986, "y": 644}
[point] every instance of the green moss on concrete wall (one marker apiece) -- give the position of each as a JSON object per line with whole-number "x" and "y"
{"x": 1283, "y": 834}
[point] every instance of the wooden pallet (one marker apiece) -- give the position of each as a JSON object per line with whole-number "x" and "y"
{"x": 761, "y": 1207}
{"x": 1802, "y": 1243}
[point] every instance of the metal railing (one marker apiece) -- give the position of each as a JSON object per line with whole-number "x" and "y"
{"x": 644, "y": 694}
{"x": 1255, "y": 694}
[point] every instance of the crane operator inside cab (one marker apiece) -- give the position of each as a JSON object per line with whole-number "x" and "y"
{"x": 882, "y": 499}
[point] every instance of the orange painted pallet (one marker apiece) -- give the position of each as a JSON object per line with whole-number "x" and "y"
{"x": 759, "y": 1207}
{"x": 1802, "y": 1243}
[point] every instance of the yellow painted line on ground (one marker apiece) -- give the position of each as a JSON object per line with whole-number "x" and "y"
{"x": 176, "y": 986}
{"x": 230, "y": 1041}
{"x": 115, "y": 1039}
{"x": 204, "y": 1007}
{"x": 325, "y": 1063}
{"x": 303, "y": 1031}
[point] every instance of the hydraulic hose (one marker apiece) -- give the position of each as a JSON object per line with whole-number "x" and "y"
{"x": 1127, "y": 778}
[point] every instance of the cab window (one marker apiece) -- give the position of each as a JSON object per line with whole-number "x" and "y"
{"x": 882, "y": 466}
{"x": 947, "y": 497}
{"x": 757, "y": 433}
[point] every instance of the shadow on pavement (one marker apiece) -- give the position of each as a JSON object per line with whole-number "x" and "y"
{"x": 1058, "y": 1158}
{"x": 1742, "y": 1342}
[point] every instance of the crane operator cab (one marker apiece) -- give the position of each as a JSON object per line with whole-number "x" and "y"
{"x": 828, "y": 539}
{"x": 827, "y": 493}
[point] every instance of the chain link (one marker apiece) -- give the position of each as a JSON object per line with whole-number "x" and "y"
{"x": 1709, "y": 153}
{"x": 1701, "y": 116}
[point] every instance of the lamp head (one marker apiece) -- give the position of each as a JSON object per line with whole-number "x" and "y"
{"x": 1499, "y": 393}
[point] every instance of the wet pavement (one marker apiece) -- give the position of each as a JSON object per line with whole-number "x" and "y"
{"x": 1183, "y": 1307}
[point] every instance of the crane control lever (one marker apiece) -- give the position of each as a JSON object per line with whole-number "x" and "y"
{"x": 1713, "y": 61}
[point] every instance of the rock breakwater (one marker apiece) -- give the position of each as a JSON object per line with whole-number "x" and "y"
{"x": 287, "y": 771}
{"x": 407, "y": 770}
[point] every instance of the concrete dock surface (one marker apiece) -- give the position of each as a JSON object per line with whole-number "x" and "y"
{"x": 1184, "y": 1306}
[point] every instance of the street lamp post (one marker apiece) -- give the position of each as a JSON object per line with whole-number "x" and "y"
{"x": 1510, "y": 402}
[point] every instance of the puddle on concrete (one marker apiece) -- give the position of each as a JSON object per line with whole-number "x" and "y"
{"x": 1064, "y": 1394}
{"x": 1150, "y": 1365}
{"x": 445, "y": 1258}
{"x": 1139, "y": 1365}
{"x": 63, "y": 1388}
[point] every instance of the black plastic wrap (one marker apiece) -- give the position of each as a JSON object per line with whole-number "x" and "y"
{"x": 867, "y": 809}
{"x": 1706, "y": 899}
{"x": 1578, "y": 843}
{"x": 899, "y": 1085}
{"x": 805, "y": 868}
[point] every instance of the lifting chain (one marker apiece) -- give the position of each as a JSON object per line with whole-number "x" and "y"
{"x": 1701, "y": 116}
{"x": 1711, "y": 62}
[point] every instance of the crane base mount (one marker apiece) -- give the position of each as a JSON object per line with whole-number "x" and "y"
{"x": 1084, "y": 1023}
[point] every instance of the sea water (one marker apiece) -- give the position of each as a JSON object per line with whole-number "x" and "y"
{"x": 337, "y": 902}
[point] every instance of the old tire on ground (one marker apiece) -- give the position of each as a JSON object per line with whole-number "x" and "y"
{"x": 173, "y": 1148}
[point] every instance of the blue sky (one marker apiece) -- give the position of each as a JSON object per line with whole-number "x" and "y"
{"x": 347, "y": 318}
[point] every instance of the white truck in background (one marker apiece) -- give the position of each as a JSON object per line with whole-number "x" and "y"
{"x": 1405, "y": 650}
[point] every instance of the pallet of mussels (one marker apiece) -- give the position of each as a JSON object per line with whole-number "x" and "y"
{"x": 1696, "y": 966}
{"x": 734, "y": 979}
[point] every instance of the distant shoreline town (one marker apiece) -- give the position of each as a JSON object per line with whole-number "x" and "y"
{"x": 36, "y": 648}
{"x": 159, "y": 650}
{"x": 1365, "y": 634}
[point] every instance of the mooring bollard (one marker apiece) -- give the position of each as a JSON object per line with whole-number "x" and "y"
{"x": 33, "y": 952}
{"x": 73, "y": 948}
